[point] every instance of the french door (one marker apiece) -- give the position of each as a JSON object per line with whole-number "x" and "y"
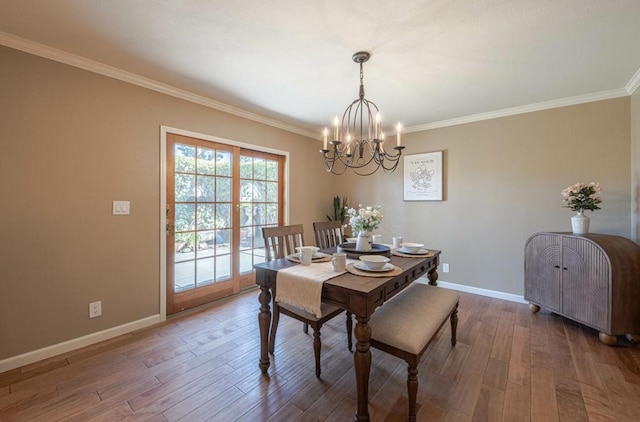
{"x": 218, "y": 199}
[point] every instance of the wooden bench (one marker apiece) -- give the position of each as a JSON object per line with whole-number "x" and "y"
{"x": 407, "y": 324}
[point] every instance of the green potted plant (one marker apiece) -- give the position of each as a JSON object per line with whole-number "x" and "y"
{"x": 339, "y": 209}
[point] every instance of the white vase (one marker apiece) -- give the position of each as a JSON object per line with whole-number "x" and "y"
{"x": 580, "y": 223}
{"x": 363, "y": 243}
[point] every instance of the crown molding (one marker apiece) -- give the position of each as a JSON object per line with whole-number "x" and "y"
{"x": 581, "y": 99}
{"x": 634, "y": 83}
{"x": 61, "y": 56}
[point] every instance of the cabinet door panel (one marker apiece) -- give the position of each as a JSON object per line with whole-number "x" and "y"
{"x": 542, "y": 271}
{"x": 586, "y": 279}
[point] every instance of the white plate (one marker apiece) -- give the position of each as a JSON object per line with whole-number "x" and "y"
{"x": 360, "y": 265}
{"x": 317, "y": 255}
{"x": 421, "y": 251}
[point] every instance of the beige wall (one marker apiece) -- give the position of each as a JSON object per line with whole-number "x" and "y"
{"x": 72, "y": 142}
{"x": 635, "y": 165}
{"x": 503, "y": 179}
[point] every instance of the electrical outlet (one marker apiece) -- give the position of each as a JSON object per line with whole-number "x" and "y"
{"x": 95, "y": 309}
{"x": 445, "y": 268}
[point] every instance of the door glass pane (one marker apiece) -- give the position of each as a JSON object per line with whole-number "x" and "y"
{"x": 184, "y": 246}
{"x": 185, "y": 217}
{"x": 185, "y": 186}
{"x": 259, "y": 212}
{"x": 246, "y": 167}
{"x": 259, "y": 169}
{"x": 206, "y": 271}
{"x": 206, "y": 188}
{"x": 223, "y": 267}
{"x": 246, "y": 261}
{"x": 272, "y": 214}
{"x": 272, "y": 170}
{"x": 206, "y": 161}
{"x": 185, "y": 158}
{"x": 259, "y": 191}
{"x": 223, "y": 216}
{"x": 223, "y": 163}
{"x": 246, "y": 218}
{"x": 184, "y": 275}
{"x": 206, "y": 243}
{"x": 206, "y": 216}
{"x": 246, "y": 190}
{"x": 272, "y": 192}
{"x": 223, "y": 241}
{"x": 223, "y": 189}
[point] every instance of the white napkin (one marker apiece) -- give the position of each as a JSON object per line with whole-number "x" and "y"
{"x": 301, "y": 285}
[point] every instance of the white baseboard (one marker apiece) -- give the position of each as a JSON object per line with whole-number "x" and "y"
{"x": 478, "y": 291}
{"x": 67, "y": 346}
{"x": 76, "y": 343}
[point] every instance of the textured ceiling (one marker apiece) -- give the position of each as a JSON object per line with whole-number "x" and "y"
{"x": 290, "y": 60}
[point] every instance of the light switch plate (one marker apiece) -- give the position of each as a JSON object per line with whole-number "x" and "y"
{"x": 120, "y": 207}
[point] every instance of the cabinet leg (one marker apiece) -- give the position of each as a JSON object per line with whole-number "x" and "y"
{"x": 534, "y": 308}
{"x": 633, "y": 338}
{"x": 607, "y": 339}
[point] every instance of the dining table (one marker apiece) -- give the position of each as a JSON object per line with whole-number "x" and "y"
{"x": 358, "y": 294}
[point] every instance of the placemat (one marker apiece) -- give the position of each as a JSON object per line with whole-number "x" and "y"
{"x": 408, "y": 255}
{"x": 325, "y": 258}
{"x": 353, "y": 270}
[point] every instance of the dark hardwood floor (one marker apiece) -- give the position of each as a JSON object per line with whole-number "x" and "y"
{"x": 203, "y": 366}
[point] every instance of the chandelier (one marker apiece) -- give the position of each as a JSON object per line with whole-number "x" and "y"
{"x": 358, "y": 141}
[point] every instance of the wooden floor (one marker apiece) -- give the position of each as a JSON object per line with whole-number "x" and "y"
{"x": 508, "y": 365}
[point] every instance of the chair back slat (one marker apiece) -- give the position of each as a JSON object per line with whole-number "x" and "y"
{"x": 282, "y": 240}
{"x": 328, "y": 234}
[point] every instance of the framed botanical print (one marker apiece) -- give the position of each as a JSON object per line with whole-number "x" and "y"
{"x": 423, "y": 177}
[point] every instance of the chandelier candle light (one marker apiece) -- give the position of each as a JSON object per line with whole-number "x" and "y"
{"x": 358, "y": 139}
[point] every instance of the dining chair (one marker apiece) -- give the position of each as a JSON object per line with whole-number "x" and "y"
{"x": 328, "y": 233}
{"x": 279, "y": 242}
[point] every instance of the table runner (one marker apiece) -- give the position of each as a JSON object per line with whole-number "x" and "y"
{"x": 301, "y": 285}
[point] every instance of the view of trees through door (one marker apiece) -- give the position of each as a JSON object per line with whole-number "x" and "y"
{"x": 218, "y": 199}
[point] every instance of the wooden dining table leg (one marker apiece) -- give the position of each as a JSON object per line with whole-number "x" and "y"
{"x": 264, "y": 322}
{"x": 362, "y": 364}
{"x": 433, "y": 277}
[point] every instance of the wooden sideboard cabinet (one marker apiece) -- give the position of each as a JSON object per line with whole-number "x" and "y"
{"x": 593, "y": 279}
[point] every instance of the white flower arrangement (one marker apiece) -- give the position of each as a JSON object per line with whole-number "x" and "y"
{"x": 582, "y": 196}
{"x": 365, "y": 219}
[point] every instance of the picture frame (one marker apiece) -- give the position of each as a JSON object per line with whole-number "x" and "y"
{"x": 422, "y": 179}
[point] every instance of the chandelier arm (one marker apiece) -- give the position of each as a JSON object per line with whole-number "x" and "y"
{"x": 330, "y": 165}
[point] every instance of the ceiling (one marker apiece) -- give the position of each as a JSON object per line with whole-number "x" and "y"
{"x": 288, "y": 62}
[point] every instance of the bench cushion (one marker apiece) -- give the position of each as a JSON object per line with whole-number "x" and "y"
{"x": 411, "y": 319}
